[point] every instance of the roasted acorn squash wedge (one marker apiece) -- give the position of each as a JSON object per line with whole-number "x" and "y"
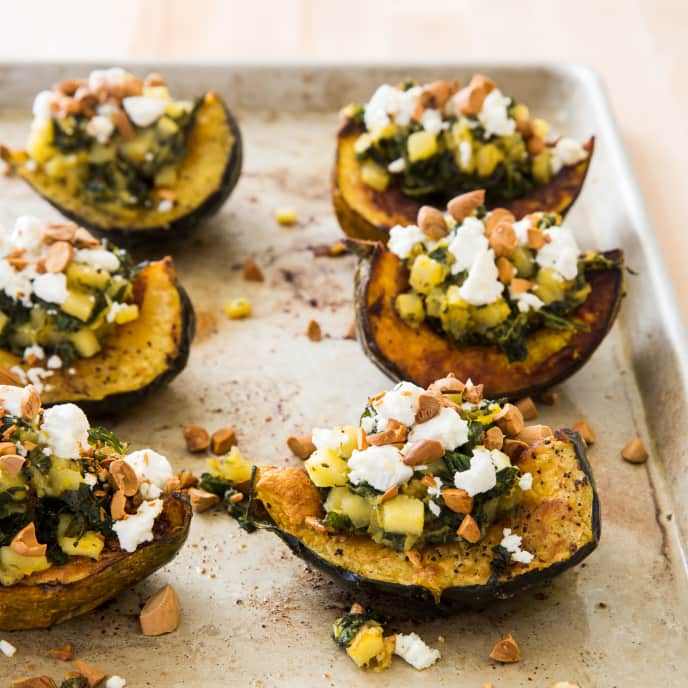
{"x": 422, "y": 354}
{"x": 206, "y": 177}
{"x": 365, "y": 213}
{"x": 79, "y": 586}
{"x": 559, "y": 521}
{"x": 138, "y": 357}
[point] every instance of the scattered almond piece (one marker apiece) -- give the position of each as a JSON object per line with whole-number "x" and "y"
{"x": 197, "y": 438}
{"x": 92, "y": 674}
{"x": 505, "y": 270}
{"x": 11, "y": 464}
{"x": 252, "y": 273}
{"x": 162, "y": 613}
{"x": 413, "y": 556}
{"x": 432, "y": 223}
{"x": 202, "y": 500}
{"x": 124, "y": 477}
{"x": 460, "y": 207}
{"x": 449, "y": 384}
{"x": 301, "y": 445}
{"x": 118, "y": 506}
{"x": 510, "y": 420}
{"x": 391, "y": 493}
{"x": 527, "y": 408}
{"x": 236, "y": 498}
{"x": 634, "y": 451}
{"x": 313, "y": 331}
{"x": 513, "y": 448}
{"x": 428, "y": 407}
{"x": 26, "y": 544}
{"x": 506, "y": 650}
{"x": 469, "y": 529}
{"x": 59, "y": 256}
{"x": 285, "y": 216}
{"x": 520, "y": 286}
{"x": 84, "y": 239}
{"x": 585, "y": 431}
{"x": 7, "y": 448}
{"x": 533, "y": 433}
{"x": 548, "y": 397}
{"x": 494, "y": 438}
{"x": 30, "y": 403}
{"x": 63, "y": 652}
{"x": 424, "y": 452}
{"x": 497, "y": 217}
{"x": 457, "y": 500}
{"x": 223, "y": 440}
{"x": 473, "y": 394}
{"x": 503, "y": 241}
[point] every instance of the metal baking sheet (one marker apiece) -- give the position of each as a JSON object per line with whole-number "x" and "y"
{"x": 254, "y": 615}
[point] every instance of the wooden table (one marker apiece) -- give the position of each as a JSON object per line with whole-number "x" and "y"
{"x": 637, "y": 46}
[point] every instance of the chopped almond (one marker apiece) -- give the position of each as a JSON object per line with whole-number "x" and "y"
{"x": 457, "y": 500}
{"x": 92, "y": 674}
{"x": 26, "y": 544}
{"x": 432, "y": 223}
{"x": 34, "y": 682}
{"x": 314, "y": 524}
{"x": 520, "y": 286}
{"x": 548, "y": 397}
{"x": 123, "y": 125}
{"x": 469, "y": 529}
{"x": 63, "y": 652}
{"x": 533, "y": 433}
{"x": 460, "y": 207}
{"x": 361, "y": 439}
{"x": 391, "y": 493}
{"x": 197, "y": 438}
{"x": 236, "y": 498}
{"x": 428, "y": 407}
{"x": 186, "y": 479}
{"x": 449, "y": 384}
{"x": 301, "y": 445}
{"x": 7, "y": 448}
{"x": 357, "y": 608}
{"x": 505, "y": 269}
{"x": 473, "y": 394}
{"x": 524, "y": 126}
{"x": 424, "y": 452}
{"x": 393, "y": 433}
{"x": 202, "y": 500}
{"x": 503, "y": 240}
{"x": 527, "y": 408}
{"x": 413, "y": 556}
{"x": 514, "y": 448}
{"x": 84, "y": 239}
{"x": 585, "y": 431}
{"x": 436, "y": 94}
{"x": 124, "y": 477}
{"x": 223, "y": 440}
{"x": 313, "y": 331}
{"x": 535, "y": 145}
{"x": 634, "y": 451}
{"x": 494, "y": 438}
{"x": 30, "y": 404}
{"x": 118, "y": 506}
{"x": 497, "y": 217}
{"x": 162, "y": 613}
{"x": 59, "y": 256}
{"x": 173, "y": 484}
{"x": 506, "y": 650}
{"x": 11, "y": 464}
{"x": 536, "y": 239}
{"x": 469, "y": 100}
{"x": 252, "y": 273}
{"x": 510, "y": 420}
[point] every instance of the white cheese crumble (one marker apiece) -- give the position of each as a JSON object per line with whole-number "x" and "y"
{"x": 468, "y": 243}
{"x": 561, "y": 253}
{"x": 34, "y": 351}
{"x": 27, "y": 234}
{"x": 12, "y": 398}
{"x": 36, "y": 376}
{"x": 98, "y": 258}
{"x": 434, "y": 508}
{"x": 42, "y": 104}
{"x": 521, "y": 228}
{"x": 403, "y": 239}
{"x": 51, "y": 287}
{"x": 482, "y": 286}
{"x": 144, "y": 110}
{"x": 382, "y": 467}
{"x": 65, "y": 430}
{"x": 115, "y": 307}
{"x": 135, "y": 529}
{"x": 100, "y": 128}
{"x": 54, "y": 362}
{"x": 525, "y": 482}
{"x": 566, "y": 152}
{"x": 165, "y": 205}
{"x": 494, "y": 116}
{"x": 412, "y": 649}
{"x": 152, "y": 469}
{"x": 526, "y": 301}
{"x": 512, "y": 544}
{"x": 7, "y": 648}
{"x": 390, "y": 101}
{"x": 329, "y": 438}
{"x": 465, "y": 154}
{"x": 16, "y": 285}
{"x": 431, "y": 121}
{"x": 369, "y": 424}
{"x": 397, "y": 166}
{"x": 400, "y": 404}
{"x": 108, "y": 78}
{"x": 480, "y": 477}
{"x": 115, "y": 682}
{"x": 447, "y": 426}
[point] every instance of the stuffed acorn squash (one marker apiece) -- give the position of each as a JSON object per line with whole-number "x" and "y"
{"x": 438, "y": 494}
{"x": 118, "y": 155}
{"x": 511, "y": 303}
{"x": 80, "y": 519}
{"x": 412, "y": 144}
{"x": 82, "y": 323}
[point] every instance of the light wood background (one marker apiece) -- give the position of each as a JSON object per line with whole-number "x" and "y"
{"x": 638, "y": 46}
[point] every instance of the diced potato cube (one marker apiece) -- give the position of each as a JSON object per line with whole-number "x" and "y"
{"x": 40, "y": 142}
{"x": 14, "y": 567}
{"x": 487, "y": 159}
{"x": 491, "y": 315}
{"x": 410, "y": 308}
{"x": 4, "y": 319}
{"x": 349, "y": 440}
{"x": 341, "y": 500}
{"x": 549, "y": 286}
{"x": 79, "y": 304}
{"x": 166, "y": 177}
{"x": 540, "y": 167}
{"x": 435, "y": 302}
{"x": 232, "y": 467}
{"x": 85, "y": 342}
{"x": 237, "y": 308}
{"x": 367, "y": 644}
{"x": 167, "y": 126}
{"x": 426, "y": 273}
{"x": 326, "y": 468}
{"x": 520, "y": 111}
{"x": 375, "y": 176}
{"x": 421, "y": 145}
{"x": 82, "y": 275}
{"x": 540, "y": 128}
{"x": 384, "y": 132}
{"x": 403, "y": 514}
{"x": 363, "y": 142}
{"x": 522, "y": 259}
{"x": 126, "y": 313}
{"x": 90, "y": 544}
{"x": 161, "y": 92}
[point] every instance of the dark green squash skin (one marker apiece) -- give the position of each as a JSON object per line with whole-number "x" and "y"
{"x": 182, "y": 227}
{"x": 466, "y": 597}
{"x": 116, "y": 403}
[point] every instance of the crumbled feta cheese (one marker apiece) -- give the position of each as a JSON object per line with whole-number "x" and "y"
{"x": 397, "y": 166}
{"x": 447, "y": 426}
{"x": 412, "y": 649}
{"x": 435, "y": 491}
{"x": 330, "y": 438}
{"x": 115, "y": 682}
{"x": 27, "y": 234}
{"x": 106, "y": 78}
{"x": 481, "y": 476}
{"x": 482, "y": 286}
{"x": 165, "y": 205}
{"x": 65, "y": 430}
{"x": 561, "y": 253}
{"x": 7, "y": 648}
{"x": 369, "y": 424}
{"x": 36, "y": 376}
{"x": 431, "y": 120}
{"x": 54, "y": 362}
{"x": 522, "y": 557}
{"x": 20, "y": 373}
{"x": 525, "y": 482}
{"x": 494, "y": 116}
{"x": 51, "y": 287}
{"x": 90, "y": 479}
{"x": 403, "y": 239}
{"x": 465, "y": 154}
{"x": 42, "y": 104}
{"x": 566, "y": 152}
{"x": 97, "y": 258}
{"x": 468, "y": 243}
{"x": 152, "y": 469}
{"x": 34, "y": 351}
{"x": 526, "y": 301}
{"x": 434, "y": 508}
{"x": 12, "y": 398}
{"x": 390, "y": 101}
{"x": 115, "y": 307}
{"x": 521, "y": 228}
{"x": 16, "y": 284}
{"x": 381, "y": 467}
{"x": 512, "y": 544}
{"x": 135, "y": 529}
{"x": 144, "y": 110}
{"x": 400, "y": 404}
{"x": 100, "y": 128}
